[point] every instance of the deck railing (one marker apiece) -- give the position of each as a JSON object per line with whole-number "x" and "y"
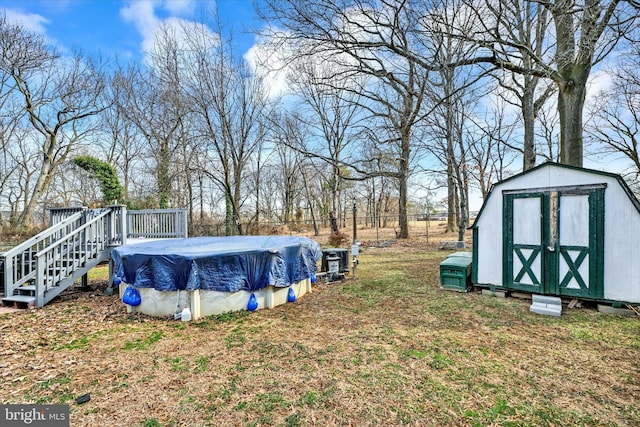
{"x": 57, "y": 215}
{"x": 20, "y": 261}
{"x": 78, "y": 241}
{"x": 68, "y": 258}
{"x": 157, "y": 224}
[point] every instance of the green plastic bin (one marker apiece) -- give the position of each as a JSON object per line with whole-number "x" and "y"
{"x": 455, "y": 273}
{"x": 462, "y": 254}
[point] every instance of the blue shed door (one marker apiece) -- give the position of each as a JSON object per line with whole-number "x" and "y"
{"x": 554, "y": 241}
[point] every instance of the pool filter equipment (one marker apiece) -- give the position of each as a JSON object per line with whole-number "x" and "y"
{"x": 333, "y": 267}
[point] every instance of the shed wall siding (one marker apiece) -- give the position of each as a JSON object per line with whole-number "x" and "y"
{"x": 490, "y": 241}
{"x": 621, "y": 247}
{"x": 622, "y": 227}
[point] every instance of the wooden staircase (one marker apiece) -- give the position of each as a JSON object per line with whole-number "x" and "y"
{"x": 39, "y": 269}
{"x": 23, "y": 297}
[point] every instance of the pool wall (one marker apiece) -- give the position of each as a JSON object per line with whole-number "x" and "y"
{"x": 207, "y": 303}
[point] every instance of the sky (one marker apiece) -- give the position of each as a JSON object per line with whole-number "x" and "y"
{"x": 123, "y": 28}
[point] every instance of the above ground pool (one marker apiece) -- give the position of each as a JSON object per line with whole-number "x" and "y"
{"x": 216, "y": 274}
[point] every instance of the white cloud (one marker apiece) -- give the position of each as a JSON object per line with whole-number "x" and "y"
{"x": 275, "y": 60}
{"x": 142, "y": 14}
{"x": 33, "y": 23}
{"x": 598, "y": 82}
{"x": 268, "y": 62}
{"x": 145, "y": 16}
{"x": 30, "y": 21}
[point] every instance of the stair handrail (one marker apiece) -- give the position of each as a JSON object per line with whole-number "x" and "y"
{"x": 56, "y": 257}
{"x": 14, "y": 277}
{"x": 78, "y": 230}
{"x": 43, "y": 234}
{"x": 90, "y": 231}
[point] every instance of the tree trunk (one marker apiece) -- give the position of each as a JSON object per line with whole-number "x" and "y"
{"x": 190, "y": 202}
{"x": 229, "y": 223}
{"x": 528, "y": 119}
{"x": 403, "y": 199}
{"x": 402, "y": 208}
{"x": 385, "y": 217}
{"x": 451, "y": 202}
{"x": 451, "y": 188}
{"x": 26, "y": 217}
{"x": 316, "y": 231}
{"x": 464, "y": 216}
{"x": 164, "y": 182}
{"x": 571, "y": 96}
{"x": 237, "y": 190}
{"x": 463, "y": 184}
{"x": 47, "y": 171}
{"x": 201, "y": 193}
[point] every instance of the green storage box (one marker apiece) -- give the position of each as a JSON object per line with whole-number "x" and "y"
{"x": 462, "y": 254}
{"x": 455, "y": 273}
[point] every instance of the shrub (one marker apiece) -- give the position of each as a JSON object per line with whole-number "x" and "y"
{"x": 338, "y": 239}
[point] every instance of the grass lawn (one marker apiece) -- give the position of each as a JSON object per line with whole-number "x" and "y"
{"x": 389, "y": 348}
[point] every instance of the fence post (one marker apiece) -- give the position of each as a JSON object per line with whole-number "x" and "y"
{"x": 124, "y": 221}
{"x": 112, "y": 233}
{"x": 41, "y": 280}
{"x": 118, "y": 224}
{"x": 185, "y": 225}
{"x": 7, "y": 276}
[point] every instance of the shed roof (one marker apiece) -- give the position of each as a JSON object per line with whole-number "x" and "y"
{"x": 616, "y": 176}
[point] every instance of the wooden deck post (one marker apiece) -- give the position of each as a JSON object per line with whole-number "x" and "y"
{"x": 118, "y": 228}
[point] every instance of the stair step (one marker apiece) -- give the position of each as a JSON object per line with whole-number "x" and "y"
{"x": 548, "y": 305}
{"x": 29, "y": 290}
{"x": 19, "y": 301}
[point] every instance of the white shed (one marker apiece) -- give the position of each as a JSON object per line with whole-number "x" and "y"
{"x": 560, "y": 230}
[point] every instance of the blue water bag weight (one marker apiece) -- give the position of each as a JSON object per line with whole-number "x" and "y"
{"x": 291, "y": 296}
{"x": 253, "y": 303}
{"x": 131, "y": 296}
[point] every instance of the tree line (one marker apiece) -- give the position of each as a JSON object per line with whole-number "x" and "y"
{"x": 385, "y": 101}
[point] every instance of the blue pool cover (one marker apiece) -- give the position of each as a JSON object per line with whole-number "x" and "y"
{"x": 226, "y": 264}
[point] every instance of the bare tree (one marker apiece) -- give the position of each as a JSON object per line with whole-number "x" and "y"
{"x": 585, "y": 32}
{"x": 59, "y": 96}
{"x": 488, "y": 152}
{"x": 302, "y": 168}
{"x": 228, "y": 101}
{"x": 18, "y": 173}
{"x": 376, "y": 39}
{"x": 377, "y": 190}
{"x": 616, "y": 121}
{"x": 454, "y": 94}
{"x": 121, "y": 143}
{"x": 331, "y": 110}
{"x": 529, "y": 26}
{"x": 256, "y": 171}
{"x": 291, "y": 186}
{"x": 9, "y": 121}
{"x": 549, "y": 133}
{"x": 158, "y": 120}
{"x": 152, "y": 100}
